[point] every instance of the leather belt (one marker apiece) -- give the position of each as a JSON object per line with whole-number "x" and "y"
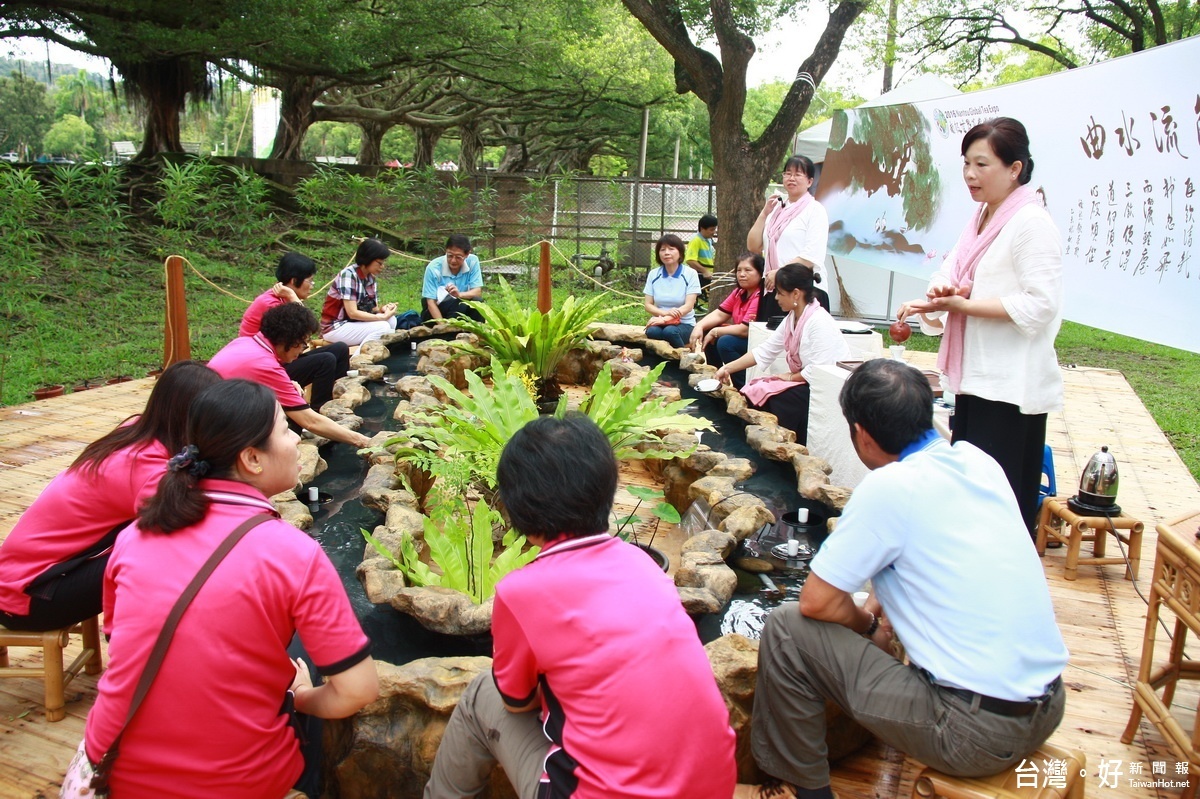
{"x": 1006, "y": 707}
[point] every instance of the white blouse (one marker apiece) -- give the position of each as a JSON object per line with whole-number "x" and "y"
{"x": 806, "y": 237}
{"x": 1013, "y": 360}
{"x": 821, "y": 344}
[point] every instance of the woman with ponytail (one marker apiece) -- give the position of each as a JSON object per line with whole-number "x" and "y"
{"x": 1000, "y": 291}
{"x": 52, "y": 562}
{"x": 808, "y": 337}
{"x": 214, "y": 720}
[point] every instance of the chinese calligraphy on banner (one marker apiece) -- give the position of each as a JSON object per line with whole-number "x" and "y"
{"x": 1116, "y": 151}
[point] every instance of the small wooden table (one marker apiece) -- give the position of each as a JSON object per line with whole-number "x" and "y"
{"x": 1059, "y": 523}
{"x": 1176, "y": 585}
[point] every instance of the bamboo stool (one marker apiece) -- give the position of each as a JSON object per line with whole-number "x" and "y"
{"x": 1060, "y": 523}
{"x": 1176, "y": 584}
{"x": 52, "y": 643}
{"x": 1011, "y": 784}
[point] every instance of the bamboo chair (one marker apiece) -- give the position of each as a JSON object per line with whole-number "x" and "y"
{"x": 52, "y": 643}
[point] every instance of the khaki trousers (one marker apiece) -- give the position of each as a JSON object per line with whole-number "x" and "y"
{"x": 481, "y": 734}
{"x": 802, "y": 662}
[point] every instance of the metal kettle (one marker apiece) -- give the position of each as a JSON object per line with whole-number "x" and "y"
{"x": 1098, "y": 484}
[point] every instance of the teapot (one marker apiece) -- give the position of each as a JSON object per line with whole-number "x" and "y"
{"x": 1098, "y": 484}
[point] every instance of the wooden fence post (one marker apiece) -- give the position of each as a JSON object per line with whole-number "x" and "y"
{"x": 176, "y": 344}
{"x": 544, "y": 301}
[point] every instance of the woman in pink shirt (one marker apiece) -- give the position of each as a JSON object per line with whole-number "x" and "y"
{"x": 725, "y": 332}
{"x": 214, "y": 721}
{"x": 52, "y": 562}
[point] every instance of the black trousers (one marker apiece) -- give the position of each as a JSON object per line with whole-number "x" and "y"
{"x": 791, "y": 408}
{"x": 66, "y": 599}
{"x": 1017, "y": 441}
{"x": 450, "y": 308}
{"x": 320, "y": 367}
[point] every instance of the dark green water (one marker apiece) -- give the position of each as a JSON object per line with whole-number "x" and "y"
{"x": 398, "y": 638}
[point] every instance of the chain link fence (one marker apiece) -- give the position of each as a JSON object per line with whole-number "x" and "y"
{"x": 599, "y": 222}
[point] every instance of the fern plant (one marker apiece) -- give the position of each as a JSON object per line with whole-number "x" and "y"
{"x": 472, "y": 428}
{"x": 517, "y": 333}
{"x": 461, "y": 546}
{"x": 633, "y": 421}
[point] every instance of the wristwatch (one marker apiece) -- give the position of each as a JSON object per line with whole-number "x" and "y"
{"x": 872, "y": 627}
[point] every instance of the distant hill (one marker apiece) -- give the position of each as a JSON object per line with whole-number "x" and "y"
{"x": 37, "y": 71}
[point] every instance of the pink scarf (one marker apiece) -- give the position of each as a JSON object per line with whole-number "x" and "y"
{"x": 972, "y": 244}
{"x": 760, "y": 389}
{"x": 777, "y": 224}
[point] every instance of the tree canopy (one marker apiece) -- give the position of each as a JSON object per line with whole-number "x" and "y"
{"x": 742, "y": 165}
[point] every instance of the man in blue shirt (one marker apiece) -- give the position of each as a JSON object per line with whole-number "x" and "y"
{"x": 938, "y": 534}
{"x": 450, "y": 279}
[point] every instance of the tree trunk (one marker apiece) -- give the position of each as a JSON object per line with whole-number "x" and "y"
{"x": 299, "y": 93}
{"x": 163, "y": 86}
{"x": 742, "y": 177}
{"x": 369, "y": 148}
{"x": 470, "y": 152}
{"x": 516, "y": 158}
{"x": 427, "y": 139}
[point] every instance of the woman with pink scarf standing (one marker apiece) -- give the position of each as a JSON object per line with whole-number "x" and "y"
{"x": 808, "y": 337}
{"x": 1000, "y": 291}
{"x": 795, "y": 230}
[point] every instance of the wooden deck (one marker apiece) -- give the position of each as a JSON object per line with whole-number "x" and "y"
{"x": 1101, "y": 616}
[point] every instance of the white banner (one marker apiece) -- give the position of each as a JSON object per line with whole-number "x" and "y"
{"x": 1116, "y": 152}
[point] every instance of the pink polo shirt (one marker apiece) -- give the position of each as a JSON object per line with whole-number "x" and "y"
{"x": 253, "y": 358}
{"x": 629, "y": 700}
{"x": 252, "y": 318}
{"x": 741, "y": 311}
{"x": 210, "y": 725}
{"x": 73, "y": 512}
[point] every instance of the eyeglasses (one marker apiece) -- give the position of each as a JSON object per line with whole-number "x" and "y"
{"x": 455, "y": 256}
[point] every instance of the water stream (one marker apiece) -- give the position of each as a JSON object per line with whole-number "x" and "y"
{"x": 397, "y": 637}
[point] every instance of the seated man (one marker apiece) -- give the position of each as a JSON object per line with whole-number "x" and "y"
{"x": 285, "y": 332}
{"x": 937, "y": 532}
{"x": 319, "y": 366}
{"x": 450, "y": 279}
{"x": 591, "y": 633}
{"x": 701, "y": 252}
{"x": 352, "y": 312}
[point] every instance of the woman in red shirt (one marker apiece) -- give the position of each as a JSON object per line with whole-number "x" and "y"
{"x": 52, "y": 563}
{"x": 724, "y": 333}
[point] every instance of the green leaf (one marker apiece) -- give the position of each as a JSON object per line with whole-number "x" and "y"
{"x": 666, "y": 511}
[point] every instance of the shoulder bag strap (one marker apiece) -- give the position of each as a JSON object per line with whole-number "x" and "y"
{"x": 159, "y": 653}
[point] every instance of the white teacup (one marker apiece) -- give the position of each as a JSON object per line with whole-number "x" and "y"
{"x": 897, "y": 352}
{"x": 861, "y": 597}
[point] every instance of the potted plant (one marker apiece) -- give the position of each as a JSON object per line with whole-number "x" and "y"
{"x": 662, "y": 509}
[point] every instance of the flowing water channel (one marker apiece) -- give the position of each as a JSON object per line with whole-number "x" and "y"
{"x": 397, "y": 637}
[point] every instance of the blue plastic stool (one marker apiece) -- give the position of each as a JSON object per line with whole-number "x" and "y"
{"x": 1048, "y": 488}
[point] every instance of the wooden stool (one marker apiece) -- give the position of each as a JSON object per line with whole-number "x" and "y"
{"x": 52, "y": 643}
{"x": 1014, "y": 783}
{"x": 1060, "y": 523}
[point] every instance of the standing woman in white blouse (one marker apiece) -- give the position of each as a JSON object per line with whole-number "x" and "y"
{"x": 791, "y": 230}
{"x": 1000, "y": 291}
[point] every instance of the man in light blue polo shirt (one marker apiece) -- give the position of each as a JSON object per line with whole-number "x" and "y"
{"x": 450, "y": 279}
{"x": 937, "y": 531}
